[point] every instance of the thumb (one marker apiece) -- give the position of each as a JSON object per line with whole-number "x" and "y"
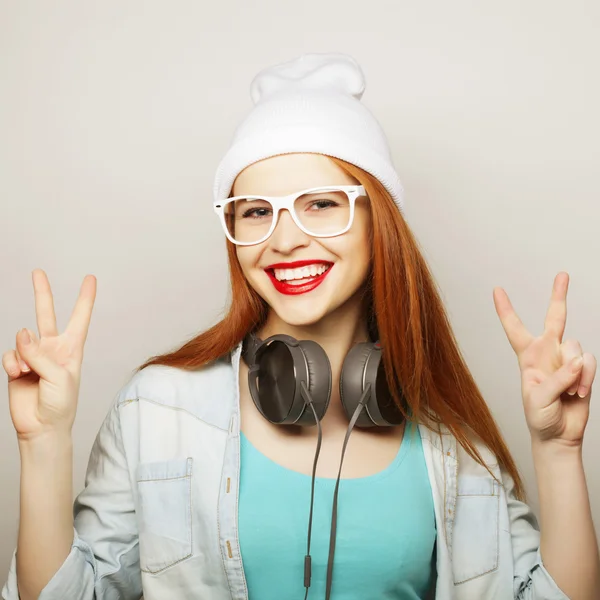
{"x": 558, "y": 383}
{"x": 28, "y": 346}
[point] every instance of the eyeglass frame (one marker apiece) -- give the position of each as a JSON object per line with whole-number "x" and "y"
{"x": 287, "y": 202}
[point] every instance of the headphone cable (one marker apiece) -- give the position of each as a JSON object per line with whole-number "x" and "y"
{"x": 361, "y": 404}
{"x": 307, "y": 559}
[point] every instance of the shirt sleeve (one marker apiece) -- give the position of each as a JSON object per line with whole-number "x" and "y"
{"x": 103, "y": 563}
{"x": 531, "y": 580}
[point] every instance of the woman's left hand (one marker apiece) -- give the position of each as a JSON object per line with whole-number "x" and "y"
{"x": 554, "y": 411}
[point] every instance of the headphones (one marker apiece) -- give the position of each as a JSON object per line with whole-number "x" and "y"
{"x": 290, "y": 384}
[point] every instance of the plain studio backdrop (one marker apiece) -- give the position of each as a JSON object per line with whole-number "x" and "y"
{"x": 114, "y": 116}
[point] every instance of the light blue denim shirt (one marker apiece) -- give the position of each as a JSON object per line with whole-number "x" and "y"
{"x": 159, "y": 511}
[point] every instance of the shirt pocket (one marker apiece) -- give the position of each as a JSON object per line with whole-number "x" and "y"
{"x": 165, "y": 513}
{"x": 475, "y": 532}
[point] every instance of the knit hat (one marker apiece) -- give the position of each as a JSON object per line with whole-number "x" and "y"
{"x": 310, "y": 104}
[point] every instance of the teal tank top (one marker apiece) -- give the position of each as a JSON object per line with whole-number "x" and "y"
{"x": 386, "y": 530}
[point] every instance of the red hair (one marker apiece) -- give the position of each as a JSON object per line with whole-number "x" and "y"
{"x": 420, "y": 352}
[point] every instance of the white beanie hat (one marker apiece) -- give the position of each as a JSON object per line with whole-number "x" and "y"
{"x": 310, "y": 104}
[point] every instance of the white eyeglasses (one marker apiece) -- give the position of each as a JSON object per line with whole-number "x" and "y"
{"x": 320, "y": 212}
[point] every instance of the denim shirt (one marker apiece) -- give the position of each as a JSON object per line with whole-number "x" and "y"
{"x": 158, "y": 514}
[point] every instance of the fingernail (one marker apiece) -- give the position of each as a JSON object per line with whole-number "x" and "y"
{"x": 24, "y": 366}
{"x": 25, "y": 337}
{"x": 582, "y": 392}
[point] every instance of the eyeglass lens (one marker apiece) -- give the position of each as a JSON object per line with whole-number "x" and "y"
{"x": 328, "y": 212}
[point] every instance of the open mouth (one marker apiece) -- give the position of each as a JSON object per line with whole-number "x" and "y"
{"x": 301, "y": 275}
{"x": 299, "y": 280}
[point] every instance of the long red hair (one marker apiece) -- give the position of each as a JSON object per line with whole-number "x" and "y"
{"x": 420, "y": 352}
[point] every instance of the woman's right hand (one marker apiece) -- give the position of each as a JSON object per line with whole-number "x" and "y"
{"x": 43, "y": 399}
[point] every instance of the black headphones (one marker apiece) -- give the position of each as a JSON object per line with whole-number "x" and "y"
{"x": 290, "y": 384}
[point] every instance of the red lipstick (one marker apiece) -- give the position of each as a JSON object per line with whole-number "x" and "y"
{"x": 289, "y": 289}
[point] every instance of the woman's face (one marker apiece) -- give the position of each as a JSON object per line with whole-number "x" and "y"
{"x": 347, "y": 256}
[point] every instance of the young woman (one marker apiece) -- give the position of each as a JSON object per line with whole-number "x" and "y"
{"x": 328, "y": 420}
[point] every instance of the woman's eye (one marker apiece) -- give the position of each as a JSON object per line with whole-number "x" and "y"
{"x": 255, "y": 213}
{"x": 320, "y": 204}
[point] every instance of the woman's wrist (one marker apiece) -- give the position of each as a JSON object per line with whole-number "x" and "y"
{"x": 46, "y": 447}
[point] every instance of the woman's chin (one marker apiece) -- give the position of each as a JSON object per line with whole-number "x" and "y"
{"x": 303, "y": 310}
{"x": 300, "y": 316}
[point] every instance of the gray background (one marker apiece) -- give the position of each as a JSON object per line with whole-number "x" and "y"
{"x": 114, "y": 115}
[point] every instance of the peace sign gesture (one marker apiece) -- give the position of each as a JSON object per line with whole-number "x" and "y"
{"x": 552, "y": 371}
{"x": 44, "y": 373}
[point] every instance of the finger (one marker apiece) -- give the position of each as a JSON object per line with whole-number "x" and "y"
{"x": 82, "y": 313}
{"x": 554, "y": 386}
{"x": 587, "y": 375}
{"x": 568, "y": 350}
{"x": 517, "y": 334}
{"x": 44, "y": 304}
{"x": 30, "y": 351}
{"x": 11, "y": 365}
{"x": 556, "y": 317}
{"x": 23, "y": 366}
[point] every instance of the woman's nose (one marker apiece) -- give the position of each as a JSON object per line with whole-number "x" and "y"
{"x": 287, "y": 235}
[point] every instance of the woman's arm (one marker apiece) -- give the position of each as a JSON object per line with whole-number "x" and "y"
{"x": 103, "y": 559}
{"x": 568, "y": 540}
{"x": 552, "y": 371}
{"x": 46, "y": 517}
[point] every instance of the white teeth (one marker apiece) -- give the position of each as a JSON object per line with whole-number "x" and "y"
{"x": 301, "y": 273}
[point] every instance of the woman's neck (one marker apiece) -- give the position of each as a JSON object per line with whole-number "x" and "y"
{"x": 336, "y": 333}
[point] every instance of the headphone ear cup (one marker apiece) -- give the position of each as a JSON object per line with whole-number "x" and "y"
{"x": 319, "y": 380}
{"x": 351, "y": 382}
{"x": 271, "y": 380}
{"x": 363, "y": 365}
